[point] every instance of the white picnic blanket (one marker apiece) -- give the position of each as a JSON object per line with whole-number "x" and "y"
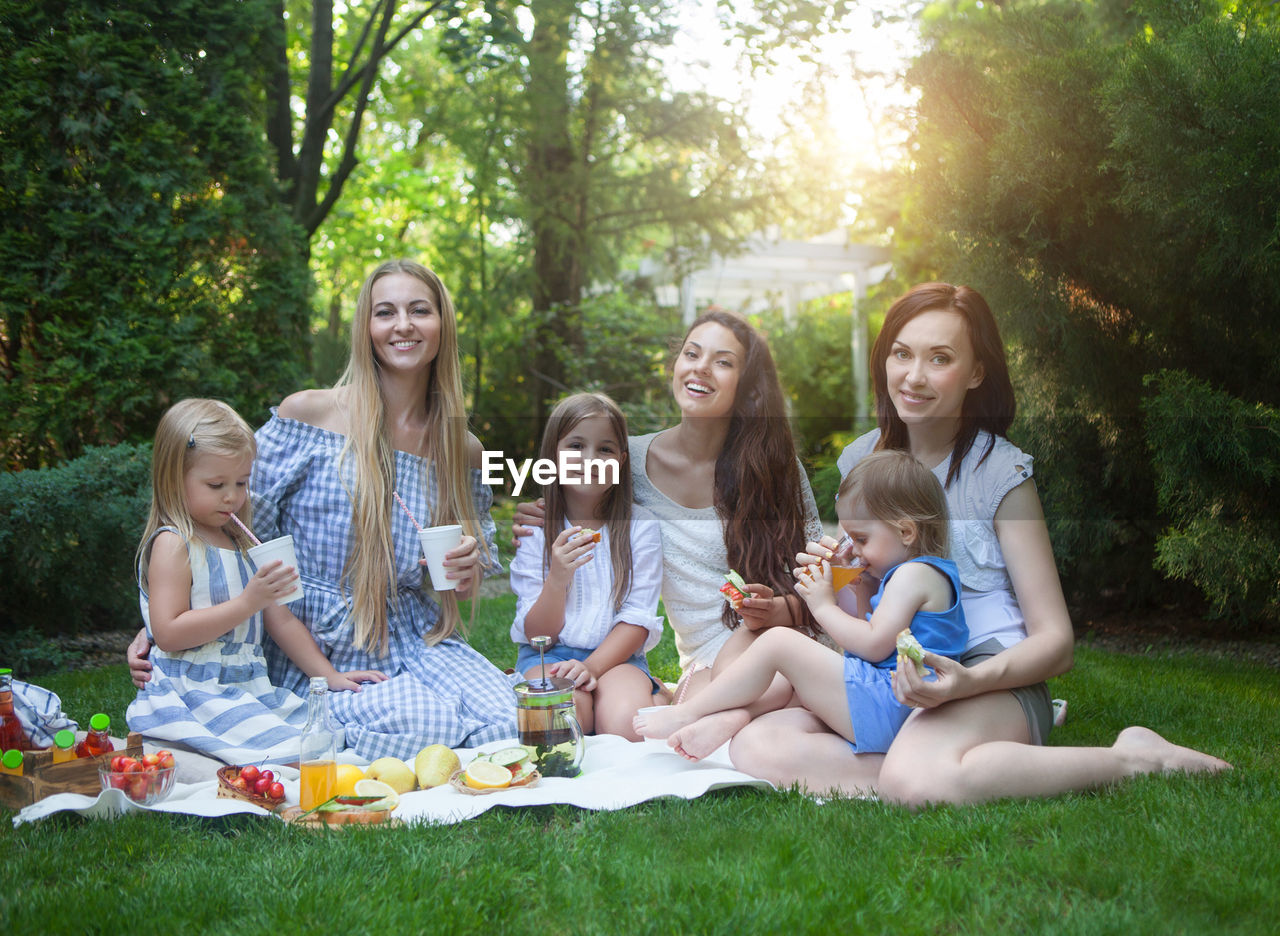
{"x": 616, "y": 773}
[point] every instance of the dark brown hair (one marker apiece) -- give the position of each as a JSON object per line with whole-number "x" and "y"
{"x": 989, "y": 406}
{"x": 758, "y": 494}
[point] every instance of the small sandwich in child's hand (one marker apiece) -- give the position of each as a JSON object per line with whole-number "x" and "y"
{"x": 909, "y": 647}
{"x": 588, "y": 533}
{"x": 734, "y": 589}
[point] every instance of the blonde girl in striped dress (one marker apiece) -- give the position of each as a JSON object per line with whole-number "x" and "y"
{"x": 206, "y": 606}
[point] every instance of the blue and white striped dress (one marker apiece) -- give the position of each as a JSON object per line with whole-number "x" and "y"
{"x": 447, "y": 693}
{"x": 217, "y": 698}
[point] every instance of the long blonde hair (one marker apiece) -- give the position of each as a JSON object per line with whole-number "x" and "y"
{"x": 368, "y": 466}
{"x": 188, "y": 429}
{"x": 617, "y": 502}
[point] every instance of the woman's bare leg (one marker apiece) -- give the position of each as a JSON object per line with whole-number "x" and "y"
{"x": 978, "y": 749}
{"x": 794, "y": 747}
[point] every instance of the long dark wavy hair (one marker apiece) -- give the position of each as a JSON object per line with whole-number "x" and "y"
{"x": 758, "y": 495}
{"x": 989, "y": 406}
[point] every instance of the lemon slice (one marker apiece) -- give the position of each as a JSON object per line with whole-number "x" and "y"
{"x": 367, "y": 787}
{"x": 348, "y": 776}
{"x": 486, "y": 775}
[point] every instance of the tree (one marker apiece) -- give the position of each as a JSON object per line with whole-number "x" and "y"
{"x": 531, "y": 157}
{"x": 615, "y": 155}
{"x": 1111, "y": 185}
{"x": 143, "y": 255}
{"x": 311, "y": 170}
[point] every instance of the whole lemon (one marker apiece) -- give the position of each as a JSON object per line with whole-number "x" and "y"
{"x": 434, "y": 765}
{"x": 348, "y": 774}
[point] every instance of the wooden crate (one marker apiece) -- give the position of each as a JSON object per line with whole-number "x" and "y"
{"x": 41, "y": 777}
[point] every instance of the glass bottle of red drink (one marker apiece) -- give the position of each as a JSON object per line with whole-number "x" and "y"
{"x": 13, "y": 737}
{"x": 97, "y": 741}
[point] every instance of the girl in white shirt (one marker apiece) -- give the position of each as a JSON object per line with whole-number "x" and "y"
{"x": 598, "y": 600}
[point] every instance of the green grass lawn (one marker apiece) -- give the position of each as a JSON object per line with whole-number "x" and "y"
{"x": 1157, "y": 855}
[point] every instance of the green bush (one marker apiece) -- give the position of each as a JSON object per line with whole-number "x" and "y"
{"x": 145, "y": 255}
{"x": 67, "y": 541}
{"x": 1216, "y": 461}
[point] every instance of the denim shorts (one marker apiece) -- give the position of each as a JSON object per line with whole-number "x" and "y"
{"x": 527, "y": 658}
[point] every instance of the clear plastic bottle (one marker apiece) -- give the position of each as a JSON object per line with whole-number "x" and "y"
{"x": 318, "y": 757}
{"x": 98, "y": 740}
{"x": 13, "y": 737}
{"x": 64, "y": 746}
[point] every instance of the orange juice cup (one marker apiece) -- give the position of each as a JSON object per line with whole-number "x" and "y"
{"x": 845, "y": 575}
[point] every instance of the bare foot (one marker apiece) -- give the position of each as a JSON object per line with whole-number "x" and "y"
{"x": 1154, "y": 754}
{"x": 662, "y": 722}
{"x": 704, "y": 736}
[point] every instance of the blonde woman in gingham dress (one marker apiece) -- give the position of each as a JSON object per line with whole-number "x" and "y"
{"x": 330, "y": 463}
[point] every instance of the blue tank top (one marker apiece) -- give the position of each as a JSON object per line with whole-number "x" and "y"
{"x": 942, "y": 632}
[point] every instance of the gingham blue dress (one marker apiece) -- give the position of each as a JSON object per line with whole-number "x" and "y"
{"x": 447, "y": 693}
{"x": 216, "y": 698}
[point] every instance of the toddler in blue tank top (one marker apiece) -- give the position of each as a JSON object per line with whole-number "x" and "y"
{"x": 894, "y": 513}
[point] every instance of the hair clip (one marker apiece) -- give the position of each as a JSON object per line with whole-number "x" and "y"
{"x": 191, "y": 441}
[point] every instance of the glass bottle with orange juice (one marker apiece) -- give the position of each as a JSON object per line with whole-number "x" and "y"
{"x": 64, "y": 746}
{"x": 11, "y": 762}
{"x": 318, "y": 757}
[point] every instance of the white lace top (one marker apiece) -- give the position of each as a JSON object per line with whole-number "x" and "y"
{"x": 694, "y": 560}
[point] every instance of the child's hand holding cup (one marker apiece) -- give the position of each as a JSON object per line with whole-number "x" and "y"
{"x": 436, "y": 542}
{"x": 279, "y": 548}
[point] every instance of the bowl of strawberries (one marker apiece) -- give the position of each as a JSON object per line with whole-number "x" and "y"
{"x": 146, "y": 780}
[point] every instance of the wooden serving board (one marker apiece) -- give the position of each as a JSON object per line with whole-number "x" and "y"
{"x": 41, "y": 777}
{"x": 368, "y": 819}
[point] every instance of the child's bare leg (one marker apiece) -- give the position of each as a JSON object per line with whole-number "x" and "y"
{"x": 776, "y": 651}
{"x": 707, "y": 734}
{"x": 619, "y": 692}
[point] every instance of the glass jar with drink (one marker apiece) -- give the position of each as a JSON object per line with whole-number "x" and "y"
{"x": 318, "y": 756}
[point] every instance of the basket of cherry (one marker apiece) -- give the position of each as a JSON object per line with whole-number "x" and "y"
{"x": 146, "y": 780}
{"x": 251, "y": 784}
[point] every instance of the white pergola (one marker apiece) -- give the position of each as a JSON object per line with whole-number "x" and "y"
{"x": 770, "y": 272}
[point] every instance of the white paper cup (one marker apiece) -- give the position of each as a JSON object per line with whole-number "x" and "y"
{"x": 279, "y": 548}
{"x": 436, "y": 541}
